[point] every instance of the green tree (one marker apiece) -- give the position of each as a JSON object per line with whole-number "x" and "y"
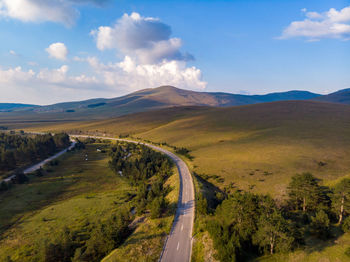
{"x": 341, "y": 198}
{"x": 273, "y": 230}
{"x": 304, "y": 191}
{"x": 320, "y": 224}
{"x": 346, "y": 225}
{"x": 202, "y": 205}
{"x": 157, "y": 207}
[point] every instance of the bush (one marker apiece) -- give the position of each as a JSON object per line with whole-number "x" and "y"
{"x": 3, "y": 186}
{"x": 20, "y": 178}
{"x": 157, "y": 207}
{"x": 320, "y": 224}
{"x": 346, "y": 225}
{"x": 347, "y": 252}
{"x": 202, "y": 205}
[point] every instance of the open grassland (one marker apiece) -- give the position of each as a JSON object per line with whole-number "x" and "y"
{"x": 329, "y": 251}
{"x": 73, "y": 194}
{"x": 256, "y": 147}
{"x": 76, "y": 194}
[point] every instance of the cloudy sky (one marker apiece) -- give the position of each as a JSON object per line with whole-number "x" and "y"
{"x": 64, "y": 50}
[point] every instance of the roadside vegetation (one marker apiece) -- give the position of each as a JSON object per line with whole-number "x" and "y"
{"x": 88, "y": 203}
{"x": 20, "y": 150}
{"x": 245, "y": 226}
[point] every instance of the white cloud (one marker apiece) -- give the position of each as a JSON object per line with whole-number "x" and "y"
{"x": 146, "y": 39}
{"x": 60, "y": 11}
{"x": 13, "y": 53}
{"x": 151, "y": 59}
{"x": 47, "y": 86}
{"x": 58, "y": 51}
{"x": 130, "y": 76}
{"x": 330, "y": 24}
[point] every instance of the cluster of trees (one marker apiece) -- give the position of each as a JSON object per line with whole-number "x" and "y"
{"x": 93, "y": 243}
{"x": 183, "y": 151}
{"x": 245, "y": 225}
{"x": 18, "y": 150}
{"x": 138, "y": 163}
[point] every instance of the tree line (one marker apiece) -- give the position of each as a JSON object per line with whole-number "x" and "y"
{"x": 20, "y": 150}
{"x": 138, "y": 163}
{"x": 247, "y": 225}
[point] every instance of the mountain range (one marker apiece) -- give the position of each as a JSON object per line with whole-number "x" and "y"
{"x": 164, "y": 97}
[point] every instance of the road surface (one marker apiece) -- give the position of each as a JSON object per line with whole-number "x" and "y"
{"x": 178, "y": 246}
{"x": 42, "y": 163}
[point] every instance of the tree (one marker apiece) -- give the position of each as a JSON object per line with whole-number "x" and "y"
{"x": 272, "y": 229}
{"x": 304, "y": 191}
{"x": 320, "y": 224}
{"x": 157, "y": 207}
{"x": 20, "y": 178}
{"x": 341, "y": 197}
{"x": 202, "y": 205}
{"x": 346, "y": 225}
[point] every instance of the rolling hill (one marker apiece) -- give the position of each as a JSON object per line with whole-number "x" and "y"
{"x": 341, "y": 97}
{"x": 154, "y": 98}
{"x": 256, "y": 146}
{"x": 9, "y": 107}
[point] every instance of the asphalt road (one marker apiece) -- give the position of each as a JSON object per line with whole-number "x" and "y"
{"x": 178, "y": 246}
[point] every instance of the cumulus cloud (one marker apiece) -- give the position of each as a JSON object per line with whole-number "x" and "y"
{"x": 59, "y": 11}
{"x": 151, "y": 59}
{"x": 146, "y": 39}
{"x": 130, "y": 76}
{"x": 330, "y": 24}
{"x": 58, "y": 51}
{"x": 46, "y": 85}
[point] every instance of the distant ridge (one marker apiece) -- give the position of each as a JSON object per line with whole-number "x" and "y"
{"x": 8, "y": 107}
{"x": 341, "y": 97}
{"x": 165, "y": 97}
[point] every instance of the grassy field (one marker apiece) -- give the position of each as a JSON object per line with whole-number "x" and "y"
{"x": 256, "y": 148}
{"x": 74, "y": 192}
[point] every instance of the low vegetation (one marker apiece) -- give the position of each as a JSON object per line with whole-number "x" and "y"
{"x": 87, "y": 203}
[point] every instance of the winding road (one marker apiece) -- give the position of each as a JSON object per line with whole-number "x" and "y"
{"x": 178, "y": 245}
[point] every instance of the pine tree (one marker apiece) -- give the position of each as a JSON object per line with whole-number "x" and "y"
{"x": 273, "y": 231}
{"x": 341, "y": 198}
{"x": 304, "y": 191}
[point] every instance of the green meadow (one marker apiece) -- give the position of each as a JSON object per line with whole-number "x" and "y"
{"x": 256, "y": 148}
{"x": 75, "y": 194}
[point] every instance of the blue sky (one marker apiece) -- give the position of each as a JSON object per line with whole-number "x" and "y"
{"x": 78, "y": 49}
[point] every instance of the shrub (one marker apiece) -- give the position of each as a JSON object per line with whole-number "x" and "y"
{"x": 320, "y": 224}
{"x": 347, "y": 252}
{"x": 346, "y": 225}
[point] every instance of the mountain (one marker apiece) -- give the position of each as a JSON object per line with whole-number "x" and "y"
{"x": 341, "y": 97}
{"x": 157, "y": 98}
{"x": 8, "y": 107}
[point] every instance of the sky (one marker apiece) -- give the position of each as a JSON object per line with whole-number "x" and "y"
{"x": 66, "y": 50}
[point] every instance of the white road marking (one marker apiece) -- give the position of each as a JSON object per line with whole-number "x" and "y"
{"x": 178, "y": 244}
{"x": 182, "y": 227}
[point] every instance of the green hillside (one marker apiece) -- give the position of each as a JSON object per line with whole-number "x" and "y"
{"x": 144, "y": 100}
{"x": 256, "y": 146}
